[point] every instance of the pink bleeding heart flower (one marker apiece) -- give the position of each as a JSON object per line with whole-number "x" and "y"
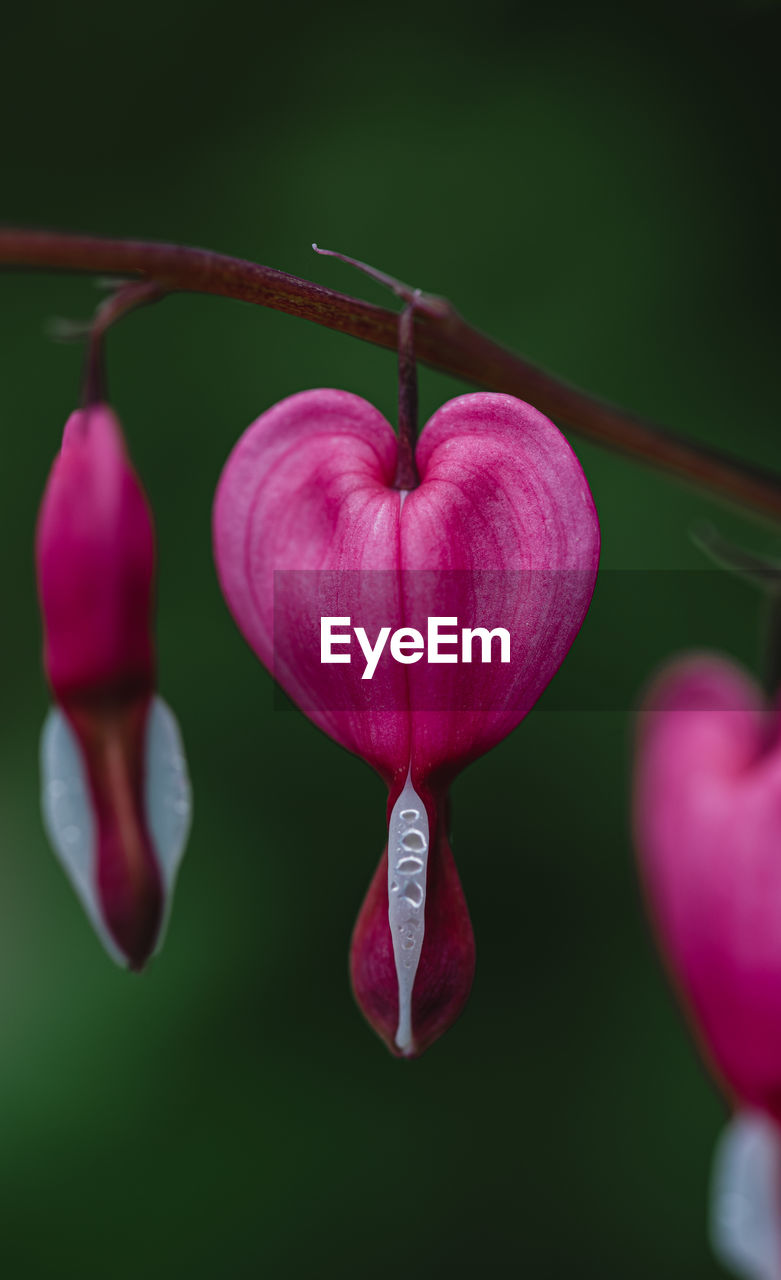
{"x": 500, "y": 532}
{"x": 116, "y": 798}
{"x": 707, "y": 813}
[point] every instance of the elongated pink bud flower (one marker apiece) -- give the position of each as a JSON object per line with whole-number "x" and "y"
{"x": 501, "y": 533}
{"x": 115, "y": 792}
{"x": 708, "y": 832}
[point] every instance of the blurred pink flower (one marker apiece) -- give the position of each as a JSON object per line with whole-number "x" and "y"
{"x": 707, "y": 818}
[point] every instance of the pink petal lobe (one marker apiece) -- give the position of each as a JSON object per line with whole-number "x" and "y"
{"x": 505, "y": 517}
{"x": 708, "y": 831}
{"x": 307, "y": 490}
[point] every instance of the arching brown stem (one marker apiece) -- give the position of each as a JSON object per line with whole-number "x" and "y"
{"x": 443, "y": 340}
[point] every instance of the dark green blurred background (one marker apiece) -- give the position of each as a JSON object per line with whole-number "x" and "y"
{"x": 597, "y": 189}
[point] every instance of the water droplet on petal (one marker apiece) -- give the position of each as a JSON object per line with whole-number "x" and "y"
{"x": 413, "y": 893}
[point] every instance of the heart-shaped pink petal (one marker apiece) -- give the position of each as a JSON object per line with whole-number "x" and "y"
{"x": 501, "y": 533}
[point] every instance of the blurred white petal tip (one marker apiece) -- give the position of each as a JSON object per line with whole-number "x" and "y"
{"x": 746, "y": 1198}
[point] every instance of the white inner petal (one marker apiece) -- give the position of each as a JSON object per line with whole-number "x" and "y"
{"x": 746, "y": 1197}
{"x": 68, "y": 819}
{"x": 70, "y": 824}
{"x": 408, "y": 844}
{"x": 167, "y": 798}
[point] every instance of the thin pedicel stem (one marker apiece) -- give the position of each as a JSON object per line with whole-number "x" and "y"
{"x": 126, "y": 299}
{"x": 763, "y": 573}
{"x": 770, "y": 638}
{"x": 406, "y": 469}
{"x": 402, "y": 290}
{"x": 443, "y": 340}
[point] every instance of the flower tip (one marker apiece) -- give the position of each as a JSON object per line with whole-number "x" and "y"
{"x": 447, "y": 961}
{"x": 133, "y": 912}
{"x": 138, "y": 961}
